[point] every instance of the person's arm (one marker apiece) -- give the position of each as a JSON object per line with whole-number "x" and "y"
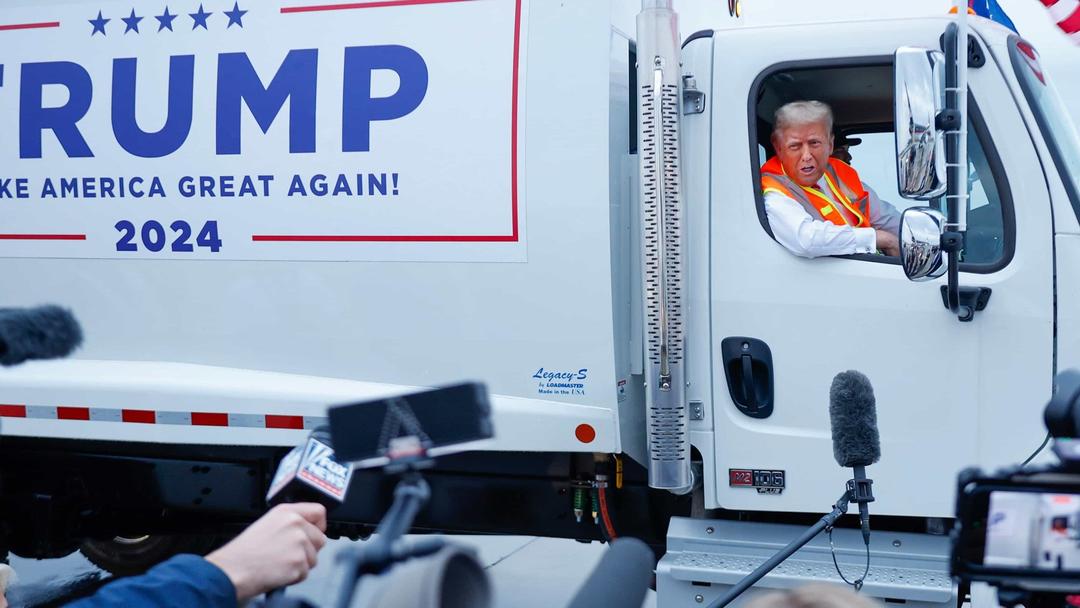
{"x": 883, "y": 215}
{"x": 278, "y": 550}
{"x": 182, "y": 581}
{"x": 809, "y": 238}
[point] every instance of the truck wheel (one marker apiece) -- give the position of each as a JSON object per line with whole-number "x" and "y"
{"x": 124, "y": 556}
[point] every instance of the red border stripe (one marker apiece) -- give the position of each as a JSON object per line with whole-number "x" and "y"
{"x": 72, "y": 413}
{"x": 29, "y": 26}
{"x": 284, "y": 422}
{"x": 209, "y": 419}
{"x": 381, "y": 238}
{"x": 42, "y": 237}
{"x": 514, "y": 122}
{"x": 12, "y": 411}
{"x": 139, "y": 416}
{"x": 355, "y": 5}
{"x": 514, "y": 235}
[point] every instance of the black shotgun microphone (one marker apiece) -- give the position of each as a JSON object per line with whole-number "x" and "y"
{"x": 856, "y": 444}
{"x": 44, "y": 332}
{"x": 311, "y": 473}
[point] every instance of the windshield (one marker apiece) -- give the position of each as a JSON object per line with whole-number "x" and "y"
{"x": 1054, "y": 121}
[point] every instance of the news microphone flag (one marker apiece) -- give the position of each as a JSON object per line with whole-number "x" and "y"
{"x": 311, "y": 472}
{"x": 1066, "y": 14}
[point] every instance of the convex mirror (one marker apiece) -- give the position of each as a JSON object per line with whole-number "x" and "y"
{"x": 920, "y": 146}
{"x": 920, "y": 243}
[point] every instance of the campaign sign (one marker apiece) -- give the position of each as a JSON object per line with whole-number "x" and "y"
{"x": 260, "y": 130}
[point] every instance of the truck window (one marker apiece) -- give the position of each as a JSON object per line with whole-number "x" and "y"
{"x": 1054, "y": 121}
{"x": 865, "y": 113}
{"x": 984, "y": 243}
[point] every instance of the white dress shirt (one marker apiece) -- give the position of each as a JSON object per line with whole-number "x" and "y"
{"x": 808, "y": 237}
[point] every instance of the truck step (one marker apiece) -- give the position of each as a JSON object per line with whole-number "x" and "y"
{"x": 705, "y": 558}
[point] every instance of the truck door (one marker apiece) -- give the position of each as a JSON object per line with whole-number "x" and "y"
{"x": 949, "y": 394}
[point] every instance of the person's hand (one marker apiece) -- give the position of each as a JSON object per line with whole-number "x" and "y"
{"x": 7, "y": 576}
{"x": 276, "y": 551}
{"x": 887, "y": 243}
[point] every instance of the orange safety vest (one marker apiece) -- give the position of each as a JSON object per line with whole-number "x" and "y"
{"x": 843, "y": 181}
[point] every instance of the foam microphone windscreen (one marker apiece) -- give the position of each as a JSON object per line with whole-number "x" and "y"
{"x": 44, "y": 332}
{"x": 620, "y": 579}
{"x": 853, "y": 414}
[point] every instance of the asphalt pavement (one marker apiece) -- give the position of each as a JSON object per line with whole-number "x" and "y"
{"x": 524, "y": 571}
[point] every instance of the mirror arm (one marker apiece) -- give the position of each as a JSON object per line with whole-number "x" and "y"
{"x": 952, "y": 242}
{"x": 948, "y": 120}
{"x": 951, "y": 119}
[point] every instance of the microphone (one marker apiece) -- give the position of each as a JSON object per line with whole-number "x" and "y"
{"x": 311, "y": 473}
{"x": 44, "y": 332}
{"x": 620, "y": 579}
{"x": 856, "y": 444}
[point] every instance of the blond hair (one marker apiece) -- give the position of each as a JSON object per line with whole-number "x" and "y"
{"x": 803, "y": 113}
{"x": 813, "y": 596}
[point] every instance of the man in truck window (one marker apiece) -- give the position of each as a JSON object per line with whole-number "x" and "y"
{"x": 817, "y": 205}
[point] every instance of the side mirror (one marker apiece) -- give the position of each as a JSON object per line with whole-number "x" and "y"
{"x": 920, "y": 243}
{"x": 920, "y": 146}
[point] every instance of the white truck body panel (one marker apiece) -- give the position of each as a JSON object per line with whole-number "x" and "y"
{"x": 399, "y": 313}
{"x": 173, "y": 391}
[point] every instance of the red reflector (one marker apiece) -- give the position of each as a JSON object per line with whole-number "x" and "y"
{"x": 585, "y": 433}
{"x": 284, "y": 422}
{"x": 142, "y": 416}
{"x": 73, "y": 413}
{"x": 209, "y": 419}
{"x": 12, "y": 411}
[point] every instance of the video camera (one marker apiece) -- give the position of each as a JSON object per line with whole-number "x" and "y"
{"x": 1019, "y": 529}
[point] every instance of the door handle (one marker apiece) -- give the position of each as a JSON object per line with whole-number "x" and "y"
{"x": 749, "y": 391}
{"x": 749, "y": 371}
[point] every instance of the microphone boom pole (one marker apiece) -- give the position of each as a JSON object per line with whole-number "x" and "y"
{"x": 856, "y": 444}
{"x": 827, "y": 521}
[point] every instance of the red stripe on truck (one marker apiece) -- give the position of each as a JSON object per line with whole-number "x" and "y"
{"x": 209, "y": 419}
{"x": 12, "y": 411}
{"x": 284, "y": 422}
{"x": 138, "y": 416}
{"x": 72, "y": 413}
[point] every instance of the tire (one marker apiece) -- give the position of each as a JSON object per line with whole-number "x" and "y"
{"x": 128, "y": 556}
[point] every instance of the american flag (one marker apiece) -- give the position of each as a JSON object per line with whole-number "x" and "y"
{"x": 1066, "y": 13}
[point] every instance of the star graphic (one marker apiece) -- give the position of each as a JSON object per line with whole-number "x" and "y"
{"x": 165, "y": 20}
{"x": 200, "y": 18}
{"x": 99, "y": 24}
{"x": 131, "y": 22}
{"x": 235, "y": 15}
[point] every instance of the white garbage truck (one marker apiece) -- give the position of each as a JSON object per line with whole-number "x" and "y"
{"x": 258, "y": 210}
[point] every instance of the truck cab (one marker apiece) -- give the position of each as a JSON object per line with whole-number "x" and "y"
{"x": 949, "y": 392}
